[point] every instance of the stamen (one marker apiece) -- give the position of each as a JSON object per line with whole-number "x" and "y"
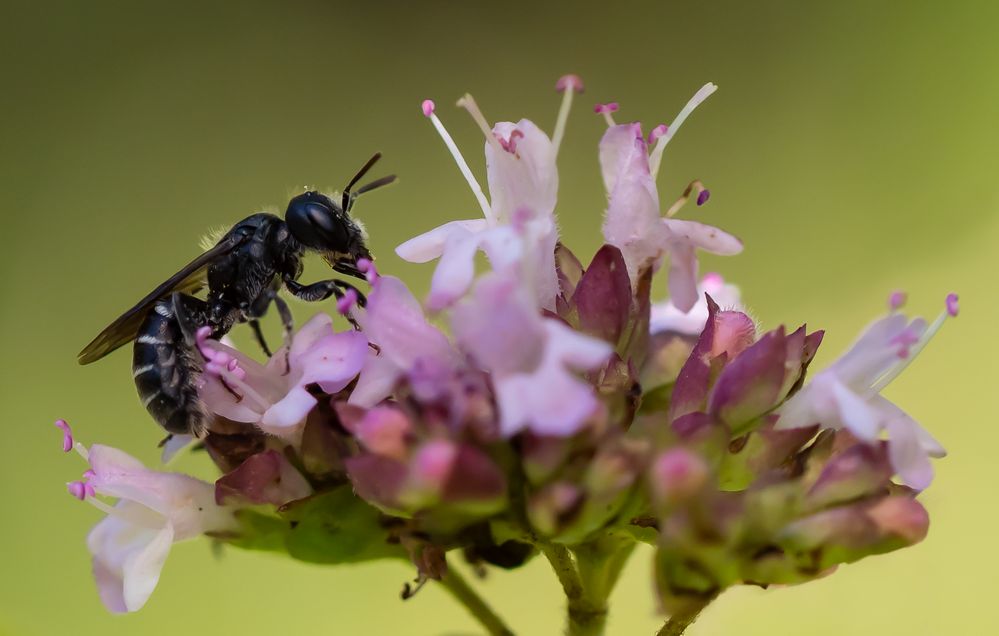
{"x": 568, "y": 85}
{"x": 226, "y": 368}
{"x": 919, "y": 345}
{"x": 80, "y": 489}
{"x": 368, "y": 267}
{"x": 345, "y": 303}
{"x": 606, "y": 110}
{"x": 428, "y": 110}
{"x": 82, "y": 451}
{"x": 103, "y": 507}
{"x": 468, "y": 103}
{"x": 897, "y": 300}
{"x": 658, "y": 132}
{"x": 657, "y": 153}
{"x": 67, "y": 435}
{"x": 951, "y": 304}
{"x": 510, "y": 145}
{"x": 693, "y": 186}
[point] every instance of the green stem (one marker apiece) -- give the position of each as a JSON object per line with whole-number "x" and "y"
{"x": 475, "y": 604}
{"x": 587, "y": 612}
{"x": 678, "y": 623}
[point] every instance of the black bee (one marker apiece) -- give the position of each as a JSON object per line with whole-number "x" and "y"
{"x": 243, "y": 273}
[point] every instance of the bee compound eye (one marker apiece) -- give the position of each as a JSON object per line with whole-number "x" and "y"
{"x": 315, "y": 222}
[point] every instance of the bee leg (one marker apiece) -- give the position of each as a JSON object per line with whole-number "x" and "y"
{"x": 288, "y": 324}
{"x": 322, "y": 290}
{"x": 259, "y": 335}
{"x": 362, "y": 300}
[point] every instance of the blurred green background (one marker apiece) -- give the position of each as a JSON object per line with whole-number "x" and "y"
{"x": 852, "y": 145}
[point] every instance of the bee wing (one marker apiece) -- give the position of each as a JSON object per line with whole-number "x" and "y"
{"x": 188, "y": 280}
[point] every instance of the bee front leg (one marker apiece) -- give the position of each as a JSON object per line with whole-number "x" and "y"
{"x": 322, "y": 290}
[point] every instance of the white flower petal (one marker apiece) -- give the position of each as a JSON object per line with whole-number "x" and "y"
{"x": 430, "y": 245}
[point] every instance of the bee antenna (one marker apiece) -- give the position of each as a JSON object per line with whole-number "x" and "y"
{"x": 368, "y": 187}
{"x": 345, "y": 200}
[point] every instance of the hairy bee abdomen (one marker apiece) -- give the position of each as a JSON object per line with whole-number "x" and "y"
{"x": 165, "y": 371}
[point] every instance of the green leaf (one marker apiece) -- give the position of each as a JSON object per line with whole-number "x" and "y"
{"x": 258, "y": 531}
{"x": 656, "y": 400}
{"x": 338, "y": 527}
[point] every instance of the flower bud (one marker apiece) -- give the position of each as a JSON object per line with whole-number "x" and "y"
{"x": 554, "y": 506}
{"x": 860, "y": 470}
{"x": 383, "y": 430}
{"x": 676, "y": 476}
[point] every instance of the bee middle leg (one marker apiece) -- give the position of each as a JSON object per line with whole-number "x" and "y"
{"x": 258, "y": 334}
{"x": 256, "y": 311}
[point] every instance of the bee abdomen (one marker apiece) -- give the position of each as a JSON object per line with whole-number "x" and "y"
{"x": 165, "y": 372}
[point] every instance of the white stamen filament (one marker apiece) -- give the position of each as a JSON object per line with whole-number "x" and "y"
{"x": 563, "y": 118}
{"x": 468, "y": 103}
{"x": 82, "y": 450}
{"x": 466, "y": 172}
{"x": 123, "y": 514}
{"x": 657, "y": 153}
{"x": 914, "y": 351}
{"x": 609, "y": 118}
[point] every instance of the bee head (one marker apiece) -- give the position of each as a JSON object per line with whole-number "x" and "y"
{"x": 319, "y": 223}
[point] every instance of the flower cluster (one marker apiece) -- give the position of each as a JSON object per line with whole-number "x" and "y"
{"x": 543, "y": 406}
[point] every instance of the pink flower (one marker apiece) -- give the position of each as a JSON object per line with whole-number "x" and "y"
{"x": 154, "y": 511}
{"x": 532, "y": 359}
{"x": 634, "y": 222}
{"x": 395, "y": 322}
{"x": 667, "y": 317}
{"x": 847, "y": 395}
{"x": 271, "y": 396}
{"x": 518, "y": 218}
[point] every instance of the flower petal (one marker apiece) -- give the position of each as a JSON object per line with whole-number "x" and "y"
{"x": 376, "y": 382}
{"x": 142, "y": 569}
{"x": 524, "y": 178}
{"x": 455, "y": 271}
{"x": 499, "y": 325}
{"x": 430, "y": 245}
{"x": 621, "y": 153}
{"x": 396, "y": 323}
{"x": 856, "y": 413}
{"x": 282, "y": 419}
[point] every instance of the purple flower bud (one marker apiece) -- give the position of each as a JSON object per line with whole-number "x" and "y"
{"x": 901, "y": 517}
{"x": 860, "y": 470}
{"x": 603, "y": 295}
{"x": 676, "y": 476}
{"x": 266, "y": 477}
{"x": 383, "y": 431}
